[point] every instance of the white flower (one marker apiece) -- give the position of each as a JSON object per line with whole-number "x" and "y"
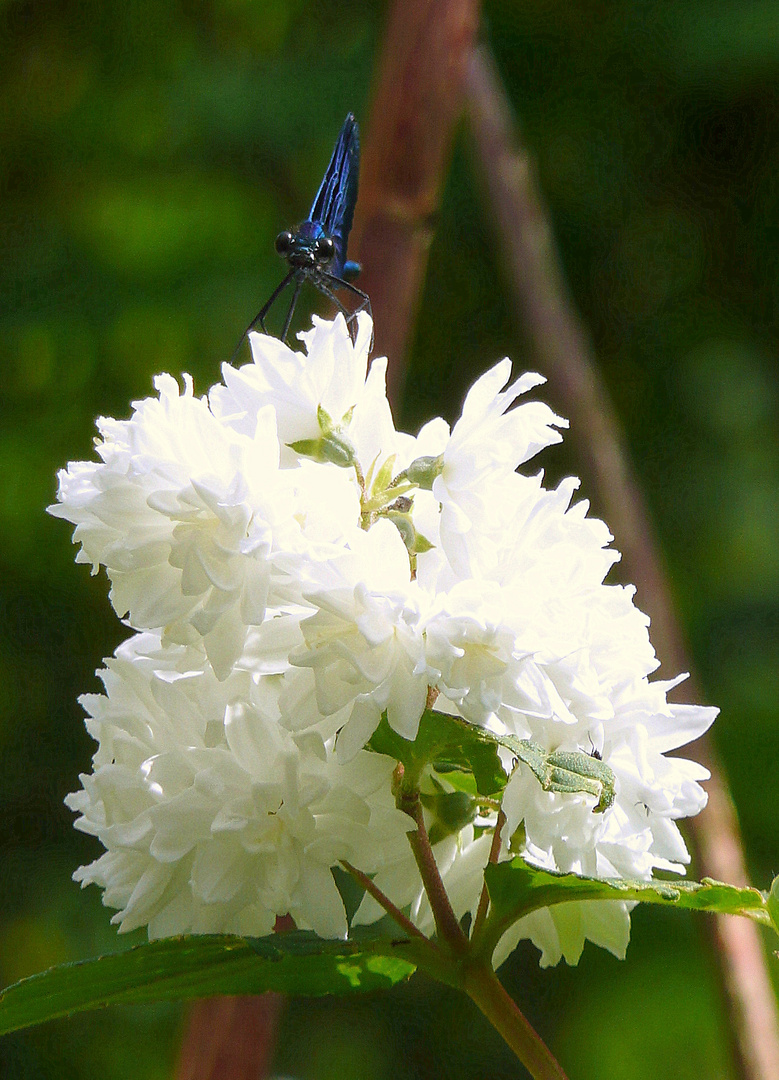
{"x": 470, "y": 649}
{"x": 230, "y": 527}
{"x": 538, "y": 647}
{"x": 559, "y": 932}
{"x": 364, "y": 642}
{"x": 216, "y": 819}
{"x": 488, "y": 442}
{"x": 331, "y": 375}
{"x": 183, "y": 513}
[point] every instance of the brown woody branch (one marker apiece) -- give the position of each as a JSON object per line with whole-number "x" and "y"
{"x": 230, "y": 1038}
{"x": 563, "y": 353}
{"x": 417, "y": 102}
{"x": 418, "y": 99}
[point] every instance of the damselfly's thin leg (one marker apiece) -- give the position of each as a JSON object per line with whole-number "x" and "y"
{"x": 260, "y": 316}
{"x": 349, "y": 316}
{"x": 331, "y": 296}
{"x": 364, "y": 305}
{"x": 291, "y": 312}
{"x": 343, "y": 284}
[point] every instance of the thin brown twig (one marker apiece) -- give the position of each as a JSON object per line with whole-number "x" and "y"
{"x": 384, "y": 901}
{"x": 447, "y": 925}
{"x": 563, "y": 352}
{"x": 484, "y": 899}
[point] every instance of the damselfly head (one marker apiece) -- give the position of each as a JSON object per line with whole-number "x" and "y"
{"x": 304, "y": 252}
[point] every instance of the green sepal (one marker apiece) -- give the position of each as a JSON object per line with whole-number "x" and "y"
{"x": 173, "y": 969}
{"x": 416, "y": 543}
{"x": 326, "y": 423}
{"x": 332, "y": 447}
{"x": 324, "y": 420}
{"x": 405, "y": 526}
{"x": 451, "y": 812}
{"x": 384, "y": 475}
{"x": 421, "y": 544}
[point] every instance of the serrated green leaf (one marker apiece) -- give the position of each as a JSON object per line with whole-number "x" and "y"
{"x": 203, "y": 966}
{"x": 447, "y": 743}
{"x": 516, "y": 889}
{"x": 566, "y": 771}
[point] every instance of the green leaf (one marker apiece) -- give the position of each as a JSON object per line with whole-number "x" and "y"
{"x": 516, "y": 889}
{"x": 566, "y": 771}
{"x": 449, "y": 744}
{"x": 172, "y": 969}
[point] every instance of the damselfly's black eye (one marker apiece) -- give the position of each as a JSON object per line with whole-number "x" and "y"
{"x": 325, "y": 249}
{"x": 284, "y": 243}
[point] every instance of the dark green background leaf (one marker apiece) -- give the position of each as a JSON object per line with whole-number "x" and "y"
{"x": 151, "y": 151}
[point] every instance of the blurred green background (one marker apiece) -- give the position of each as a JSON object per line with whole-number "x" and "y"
{"x": 149, "y": 153}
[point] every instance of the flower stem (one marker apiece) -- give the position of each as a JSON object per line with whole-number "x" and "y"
{"x": 484, "y": 899}
{"x": 447, "y": 926}
{"x": 484, "y": 988}
{"x": 402, "y": 920}
{"x": 464, "y": 967}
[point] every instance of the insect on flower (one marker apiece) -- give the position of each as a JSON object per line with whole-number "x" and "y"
{"x": 594, "y": 751}
{"x": 316, "y": 250}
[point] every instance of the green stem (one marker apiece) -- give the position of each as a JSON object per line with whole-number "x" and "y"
{"x": 464, "y": 967}
{"x": 484, "y": 988}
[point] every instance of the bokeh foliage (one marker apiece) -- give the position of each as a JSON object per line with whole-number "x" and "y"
{"x": 149, "y": 152}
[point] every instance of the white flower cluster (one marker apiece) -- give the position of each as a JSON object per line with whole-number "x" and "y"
{"x": 294, "y": 568}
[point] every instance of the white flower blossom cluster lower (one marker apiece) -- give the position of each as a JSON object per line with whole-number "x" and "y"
{"x": 293, "y": 569}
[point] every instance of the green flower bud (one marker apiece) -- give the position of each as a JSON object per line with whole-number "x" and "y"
{"x": 423, "y": 471}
